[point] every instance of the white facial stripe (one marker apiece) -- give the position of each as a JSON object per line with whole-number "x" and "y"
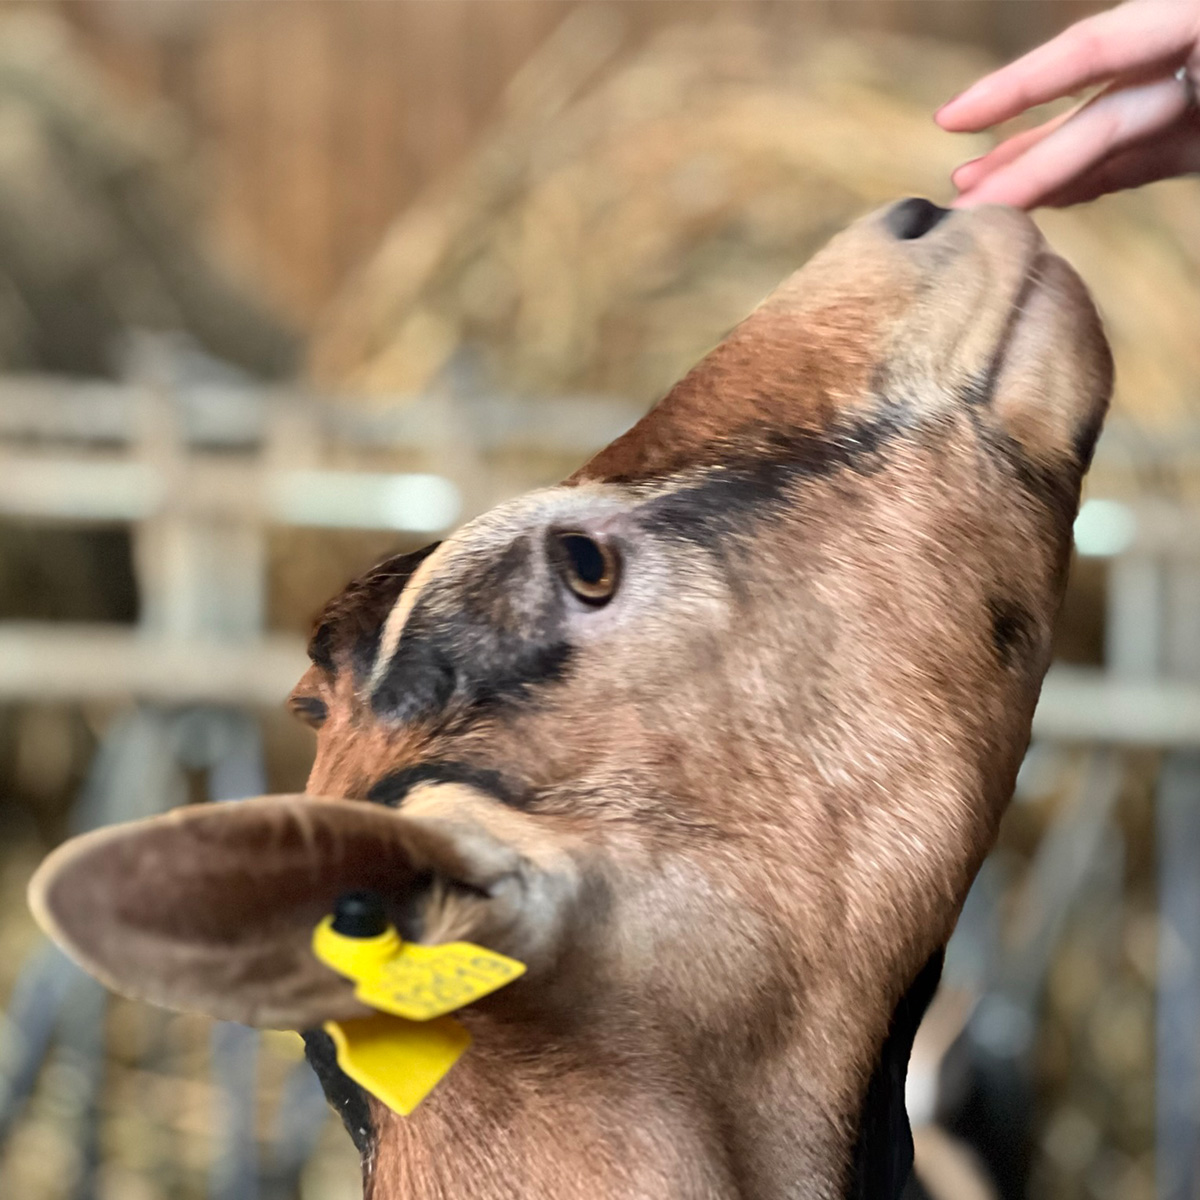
{"x": 393, "y": 627}
{"x": 563, "y": 502}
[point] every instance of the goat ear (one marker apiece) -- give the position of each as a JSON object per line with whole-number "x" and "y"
{"x": 212, "y": 909}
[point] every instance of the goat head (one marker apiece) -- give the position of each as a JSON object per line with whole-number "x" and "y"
{"x": 713, "y": 736}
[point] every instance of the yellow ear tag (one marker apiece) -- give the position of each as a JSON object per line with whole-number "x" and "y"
{"x": 407, "y": 980}
{"x": 399, "y": 1062}
{"x": 400, "y": 1053}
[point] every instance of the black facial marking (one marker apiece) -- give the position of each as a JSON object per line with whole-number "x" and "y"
{"x": 1056, "y": 488}
{"x": 1012, "y": 630}
{"x": 346, "y": 1098}
{"x": 883, "y": 1152}
{"x": 979, "y": 391}
{"x": 351, "y": 623}
{"x": 1086, "y": 436}
{"x": 311, "y": 710}
{"x": 757, "y": 477}
{"x": 392, "y": 789}
{"x": 420, "y": 678}
{"x": 500, "y": 636}
{"x": 444, "y": 663}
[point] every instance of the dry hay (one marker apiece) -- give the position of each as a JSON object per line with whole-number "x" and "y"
{"x": 628, "y": 208}
{"x": 98, "y": 231}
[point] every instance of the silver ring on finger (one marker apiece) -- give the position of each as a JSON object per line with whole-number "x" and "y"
{"x": 1189, "y": 89}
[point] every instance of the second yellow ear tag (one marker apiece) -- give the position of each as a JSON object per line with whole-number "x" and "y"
{"x": 399, "y": 1062}
{"x": 401, "y": 1052}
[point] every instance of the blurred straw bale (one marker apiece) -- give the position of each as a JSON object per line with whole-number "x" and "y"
{"x": 97, "y": 230}
{"x": 627, "y": 208}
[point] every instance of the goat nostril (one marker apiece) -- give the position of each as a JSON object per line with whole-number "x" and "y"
{"x": 359, "y": 915}
{"x": 913, "y": 218}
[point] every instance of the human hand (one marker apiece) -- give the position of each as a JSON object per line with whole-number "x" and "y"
{"x": 1143, "y": 125}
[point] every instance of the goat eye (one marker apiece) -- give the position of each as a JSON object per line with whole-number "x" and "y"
{"x": 588, "y": 568}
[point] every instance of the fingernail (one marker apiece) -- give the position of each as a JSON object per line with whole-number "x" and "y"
{"x": 979, "y": 90}
{"x": 965, "y": 168}
{"x": 949, "y": 104}
{"x": 967, "y": 198}
{"x": 985, "y": 192}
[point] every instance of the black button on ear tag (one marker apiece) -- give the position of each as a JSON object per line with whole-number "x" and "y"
{"x": 359, "y": 915}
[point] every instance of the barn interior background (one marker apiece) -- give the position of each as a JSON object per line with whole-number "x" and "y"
{"x": 284, "y": 286}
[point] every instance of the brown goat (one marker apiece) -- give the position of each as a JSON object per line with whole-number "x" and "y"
{"x": 713, "y": 737}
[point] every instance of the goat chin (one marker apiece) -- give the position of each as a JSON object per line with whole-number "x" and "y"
{"x": 712, "y": 737}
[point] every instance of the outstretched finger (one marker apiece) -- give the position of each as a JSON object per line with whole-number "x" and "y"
{"x": 1113, "y": 121}
{"x": 1125, "y": 39}
{"x": 970, "y": 173}
{"x": 1178, "y": 153}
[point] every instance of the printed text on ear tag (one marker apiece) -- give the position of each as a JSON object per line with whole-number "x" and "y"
{"x": 416, "y": 982}
{"x": 397, "y": 1061}
{"x": 424, "y": 982}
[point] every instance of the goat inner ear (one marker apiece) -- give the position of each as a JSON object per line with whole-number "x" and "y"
{"x": 212, "y": 909}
